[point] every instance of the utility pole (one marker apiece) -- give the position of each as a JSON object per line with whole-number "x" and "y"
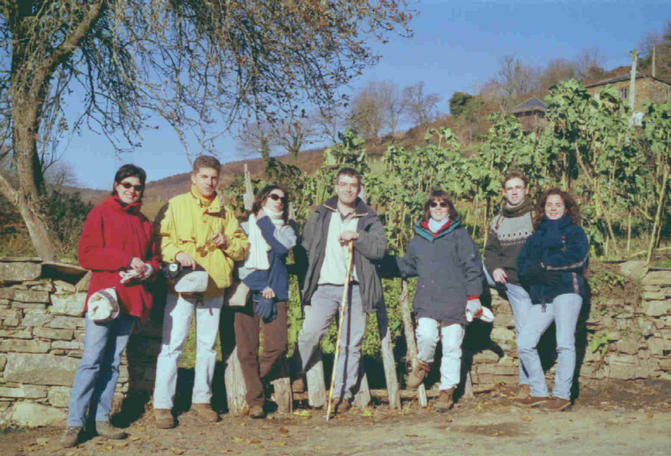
{"x": 654, "y": 49}
{"x": 632, "y": 81}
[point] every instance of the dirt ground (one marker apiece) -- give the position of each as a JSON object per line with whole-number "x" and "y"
{"x": 609, "y": 418}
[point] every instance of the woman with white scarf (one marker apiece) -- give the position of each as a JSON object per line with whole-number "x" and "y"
{"x": 271, "y": 236}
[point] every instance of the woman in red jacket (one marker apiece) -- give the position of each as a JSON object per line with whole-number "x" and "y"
{"x": 117, "y": 246}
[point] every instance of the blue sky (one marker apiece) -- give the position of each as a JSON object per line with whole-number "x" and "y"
{"x": 456, "y": 46}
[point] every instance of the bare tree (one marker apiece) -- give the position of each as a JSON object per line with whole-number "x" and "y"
{"x": 189, "y": 61}
{"x": 257, "y": 137}
{"x": 589, "y": 65}
{"x": 328, "y": 121}
{"x": 556, "y": 71}
{"x": 513, "y": 80}
{"x": 367, "y": 111}
{"x": 421, "y": 107}
{"x": 294, "y": 134}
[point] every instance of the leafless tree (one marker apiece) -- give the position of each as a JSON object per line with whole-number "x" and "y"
{"x": 367, "y": 111}
{"x": 192, "y": 62}
{"x": 421, "y": 107}
{"x": 512, "y": 80}
{"x": 258, "y": 137}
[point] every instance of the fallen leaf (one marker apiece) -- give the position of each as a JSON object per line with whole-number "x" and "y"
{"x": 302, "y": 413}
{"x": 280, "y": 443}
{"x": 367, "y": 412}
{"x": 254, "y": 442}
{"x": 526, "y": 418}
{"x": 283, "y": 430}
{"x": 650, "y": 415}
{"x": 411, "y": 435}
{"x": 177, "y": 450}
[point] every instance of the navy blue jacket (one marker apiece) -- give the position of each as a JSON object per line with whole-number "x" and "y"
{"x": 557, "y": 245}
{"x": 448, "y": 269}
{"x": 277, "y": 275}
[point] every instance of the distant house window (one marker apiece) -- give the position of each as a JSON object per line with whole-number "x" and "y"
{"x": 624, "y": 93}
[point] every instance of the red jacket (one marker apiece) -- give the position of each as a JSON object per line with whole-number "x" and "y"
{"x": 111, "y": 237}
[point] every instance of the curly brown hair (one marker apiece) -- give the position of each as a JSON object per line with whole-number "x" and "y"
{"x": 262, "y": 196}
{"x": 439, "y": 195}
{"x": 572, "y": 209}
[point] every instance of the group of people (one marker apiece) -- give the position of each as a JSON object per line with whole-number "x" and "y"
{"x": 535, "y": 256}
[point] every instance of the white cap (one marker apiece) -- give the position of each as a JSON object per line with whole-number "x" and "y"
{"x": 190, "y": 281}
{"x": 103, "y": 305}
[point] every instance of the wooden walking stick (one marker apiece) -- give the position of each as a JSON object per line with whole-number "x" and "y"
{"x": 343, "y": 307}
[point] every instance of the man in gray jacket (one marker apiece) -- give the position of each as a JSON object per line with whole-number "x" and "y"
{"x": 343, "y": 218}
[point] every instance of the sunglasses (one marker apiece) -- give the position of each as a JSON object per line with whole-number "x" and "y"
{"x": 436, "y": 204}
{"x": 137, "y": 188}
{"x": 276, "y": 197}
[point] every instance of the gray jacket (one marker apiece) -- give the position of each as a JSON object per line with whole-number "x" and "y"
{"x": 448, "y": 269}
{"x": 368, "y": 249}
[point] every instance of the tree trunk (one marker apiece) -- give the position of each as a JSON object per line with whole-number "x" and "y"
{"x": 388, "y": 361}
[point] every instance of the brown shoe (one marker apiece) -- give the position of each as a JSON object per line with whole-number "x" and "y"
{"x": 256, "y": 411}
{"x": 445, "y": 400}
{"x": 164, "y": 418}
{"x": 298, "y": 385}
{"x": 105, "y": 429}
{"x": 531, "y": 401}
{"x": 523, "y": 391}
{"x": 556, "y": 404}
{"x": 205, "y": 413}
{"x": 70, "y": 436}
{"x": 418, "y": 373}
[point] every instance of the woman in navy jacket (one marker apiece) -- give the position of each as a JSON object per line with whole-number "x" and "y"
{"x": 551, "y": 265}
{"x": 448, "y": 267}
{"x": 271, "y": 236}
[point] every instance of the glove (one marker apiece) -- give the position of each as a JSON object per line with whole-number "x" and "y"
{"x": 127, "y": 276}
{"x": 148, "y": 271}
{"x": 266, "y": 309}
{"x": 473, "y": 309}
{"x": 551, "y": 278}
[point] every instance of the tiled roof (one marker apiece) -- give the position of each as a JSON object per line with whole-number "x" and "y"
{"x": 532, "y": 104}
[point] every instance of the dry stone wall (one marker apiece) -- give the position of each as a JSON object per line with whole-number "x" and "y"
{"x": 42, "y": 333}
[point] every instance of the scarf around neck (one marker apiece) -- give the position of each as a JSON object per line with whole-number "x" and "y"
{"x": 515, "y": 211}
{"x": 258, "y": 247}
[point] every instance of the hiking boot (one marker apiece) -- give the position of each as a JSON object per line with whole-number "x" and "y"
{"x": 105, "y": 429}
{"x": 70, "y": 436}
{"x": 205, "y": 413}
{"x": 298, "y": 385}
{"x": 164, "y": 418}
{"x": 523, "y": 391}
{"x": 556, "y": 404}
{"x": 341, "y": 406}
{"x": 531, "y": 401}
{"x": 445, "y": 400}
{"x": 256, "y": 411}
{"x": 418, "y": 373}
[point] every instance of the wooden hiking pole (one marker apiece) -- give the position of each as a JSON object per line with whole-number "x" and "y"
{"x": 343, "y": 307}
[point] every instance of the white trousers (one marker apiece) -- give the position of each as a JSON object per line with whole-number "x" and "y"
{"x": 176, "y": 321}
{"x": 451, "y": 335}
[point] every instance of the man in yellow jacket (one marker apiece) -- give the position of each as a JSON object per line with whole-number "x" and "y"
{"x": 195, "y": 229}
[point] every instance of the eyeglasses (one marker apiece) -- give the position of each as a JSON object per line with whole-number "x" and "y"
{"x": 137, "y": 188}
{"x": 436, "y": 204}
{"x": 276, "y": 197}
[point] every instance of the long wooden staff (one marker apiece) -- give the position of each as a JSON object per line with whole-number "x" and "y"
{"x": 343, "y": 306}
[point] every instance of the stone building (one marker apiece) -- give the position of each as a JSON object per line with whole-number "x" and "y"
{"x": 648, "y": 89}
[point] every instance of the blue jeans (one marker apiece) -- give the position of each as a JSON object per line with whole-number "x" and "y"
{"x": 96, "y": 376}
{"x": 520, "y": 303}
{"x": 564, "y": 311}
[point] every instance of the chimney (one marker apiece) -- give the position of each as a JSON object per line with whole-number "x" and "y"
{"x": 632, "y": 81}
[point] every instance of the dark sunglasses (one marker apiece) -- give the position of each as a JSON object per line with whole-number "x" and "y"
{"x": 276, "y": 197}
{"x": 436, "y": 204}
{"x": 126, "y": 185}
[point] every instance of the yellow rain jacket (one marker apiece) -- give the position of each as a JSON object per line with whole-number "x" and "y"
{"x": 187, "y": 223}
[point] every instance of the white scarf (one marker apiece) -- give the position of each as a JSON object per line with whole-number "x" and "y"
{"x": 258, "y": 247}
{"x": 435, "y": 226}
